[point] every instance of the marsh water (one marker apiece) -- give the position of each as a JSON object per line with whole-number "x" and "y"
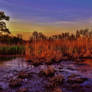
{"x": 10, "y": 68}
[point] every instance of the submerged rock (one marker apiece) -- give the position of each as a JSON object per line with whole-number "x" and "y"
{"x": 76, "y": 79}
{"x": 48, "y": 72}
{"x": 23, "y": 75}
{"x": 76, "y": 86}
{"x": 57, "y": 89}
{"x": 1, "y": 88}
{"x": 22, "y": 90}
{"x": 55, "y": 81}
{"x": 15, "y": 83}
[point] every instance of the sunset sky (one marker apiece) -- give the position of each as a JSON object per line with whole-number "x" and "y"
{"x": 47, "y": 16}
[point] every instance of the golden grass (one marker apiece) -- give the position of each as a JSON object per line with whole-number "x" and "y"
{"x": 57, "y": 50}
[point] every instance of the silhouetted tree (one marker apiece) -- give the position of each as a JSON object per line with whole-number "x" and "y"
{"x": 19, "y": 36}
{"x": 3, "y": 27}
{"x": 77, "y": 34}
{"x": 35, "y": 35}
{"x": 42, "y": 36}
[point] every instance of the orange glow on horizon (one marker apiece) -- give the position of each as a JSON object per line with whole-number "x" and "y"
{"x": 26, "y": 28}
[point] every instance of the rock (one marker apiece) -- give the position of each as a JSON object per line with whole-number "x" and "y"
{"x": 48, "y": 72}
{"x": 48, "y": 61}
{"x": 56, "y": 80}
{"x": 51, "y": 88}
{"x": 15, "y": 83}
{"x": 74, "y": 86}
{"x": 36, "y": 61}
{"x": 73, "y": 75}
{"x": 88, "y": 86}
{"x": 22, "y": 90}
{"x": 49, "y": 85}
{"x": 70, "y": 68}
{"x": 76, "y": 79}
{"x": 1, "y": 88}
{"x": 23, "y": 75}
{"x": 57, "y": 89}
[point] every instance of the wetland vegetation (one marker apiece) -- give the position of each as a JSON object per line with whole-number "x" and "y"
{"x": 56, "y": 63}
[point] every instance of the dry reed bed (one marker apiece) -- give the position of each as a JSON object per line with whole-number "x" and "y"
{"x": 56, "y": 50}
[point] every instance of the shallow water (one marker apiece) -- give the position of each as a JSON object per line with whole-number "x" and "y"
{"x": 10, "y": 68}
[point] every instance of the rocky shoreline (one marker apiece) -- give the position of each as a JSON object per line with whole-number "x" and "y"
{"x": 46, "y": 78}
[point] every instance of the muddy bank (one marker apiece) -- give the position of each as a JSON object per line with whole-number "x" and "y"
{"x": 17, "y": 75}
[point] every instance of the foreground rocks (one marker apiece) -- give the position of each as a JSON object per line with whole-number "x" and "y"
{"x": 56, "y": 80}
{"x": 47, "y": 72}
{"x": 1, "y": 89}
{"x": 76, "y": 79}
{"x": 57, "y": 89}
{"x": 24, "y": 74}
{"x": 22, "y": 90}
{"x": 46, "y": 78}
{"x": 15, "y": 83}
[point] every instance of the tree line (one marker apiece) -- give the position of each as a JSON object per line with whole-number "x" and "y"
{"x": 83, "y": 33}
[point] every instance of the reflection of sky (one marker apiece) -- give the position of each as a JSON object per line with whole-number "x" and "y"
{"x": 65, "y": 12}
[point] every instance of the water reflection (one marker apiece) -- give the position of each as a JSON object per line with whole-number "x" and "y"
{"x": 89, "y": 62}
{"x": 14, "y": 63}
{"x": 86, "y": 68}
{"x": 20, "y": 63}
{"x": 10, "y": 68}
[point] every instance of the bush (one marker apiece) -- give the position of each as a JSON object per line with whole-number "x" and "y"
{"x": 12, "y": 50}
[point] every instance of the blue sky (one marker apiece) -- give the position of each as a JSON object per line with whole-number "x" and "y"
{"x": 48, "y": 15}
{"x": 48, "y": 10}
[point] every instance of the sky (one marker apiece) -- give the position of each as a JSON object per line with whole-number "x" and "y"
{"x": 47, "y": 16}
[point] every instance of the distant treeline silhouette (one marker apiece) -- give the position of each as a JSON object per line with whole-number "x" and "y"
{"x": 83, "y": 33}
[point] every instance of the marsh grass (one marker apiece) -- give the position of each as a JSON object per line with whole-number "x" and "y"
{"x": 58, "y": 50}
{"x": 12, "y": 50}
